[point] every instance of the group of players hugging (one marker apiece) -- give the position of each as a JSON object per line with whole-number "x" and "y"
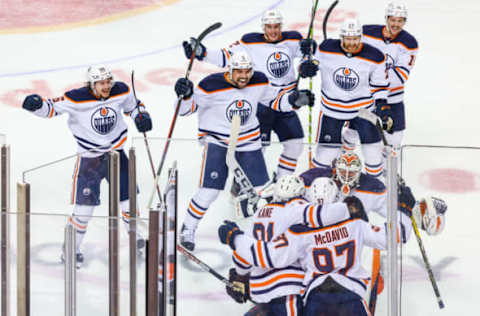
{"x": 301, "y": 253}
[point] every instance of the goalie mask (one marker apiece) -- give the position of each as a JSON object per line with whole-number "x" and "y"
{"x": 322, "y": 191}
{"x": 98, "y": 73}
{"x": 430, "y": 214}
{"x": 287, "y": 187}
{"x": 348, "y": 168}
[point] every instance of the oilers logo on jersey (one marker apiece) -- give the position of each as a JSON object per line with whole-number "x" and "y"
{"x": 278, "y": 64}
{"x": 389, "y": 62}
{"x": 346, "y": 78}
{"x": 104, "y": 120}
{"x": 240, "y": 107}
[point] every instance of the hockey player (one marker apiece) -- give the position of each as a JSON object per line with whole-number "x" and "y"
{"x": 353, "y": 78}
{"x": 400, "y": 49}
{"x": 217, "y": 98}
{"x": 96, "y": 122}
{"x": 335, "y": 281}
{"x": 272, "y": 53}
{"x": 351, "y": 181}
{"x": 279, "y": 290}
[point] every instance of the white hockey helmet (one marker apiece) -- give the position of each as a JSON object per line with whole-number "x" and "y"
{"x": 288, "y": 187}
{"x": 97, "y": 73}
{"x": 272, "y": 17}
{"x": 323, "y": 191}
{"x": 396, "y": 9}
{"x": 348, "y": 168}
{"x": 240, "y": 60}
{"x": 351, "y": 27}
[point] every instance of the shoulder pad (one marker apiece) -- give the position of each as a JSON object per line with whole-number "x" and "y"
{"x": 331, "y": 45}
{"x": 371, "y": 53}
{"x": 310, "y": 175}
{"x": 119, "y": 88}
{"x": 406, "y": 39}
{"x": 373, "y": 30}
{"x": 80, "y": 95}
{"x": 252, "y": 38}
{"x": 370, "y": 184}
{"x": 291, "y": 35}
{"x": 258, "y": 77}
{"x": 214, "y": 82}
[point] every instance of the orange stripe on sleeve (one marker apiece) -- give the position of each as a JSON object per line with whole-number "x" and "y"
{"x": 237, "y": 256}
{"x": 120, "y": 143}
{"x": 260, "y": 254}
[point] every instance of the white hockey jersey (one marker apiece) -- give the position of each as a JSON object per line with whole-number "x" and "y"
{"x": 216, "y": 101}
{"x": 334, "y": 251}
{"x": 371, "y": 191}
{"x": 96, "y": 124}
{"x": 275, "y": 60}
{"x": 400, "y": 52}
{"x": 350, "y": 83}
{"x": 269, "y": 223}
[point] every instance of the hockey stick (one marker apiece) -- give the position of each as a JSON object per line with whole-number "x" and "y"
{"x": 246, "y": 186}
{"x": 376, "y": 121}
{"x": 202, "y": 35}
{"x": 149, "y": 153}
{"x": 325, "y": 19}
{"x": 428, "y": 267}
{"x": 205, "y": 267}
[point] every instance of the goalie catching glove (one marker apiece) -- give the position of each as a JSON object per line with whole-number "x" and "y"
{"x": 240, "y": 292}
{"x": 430, "y": 212}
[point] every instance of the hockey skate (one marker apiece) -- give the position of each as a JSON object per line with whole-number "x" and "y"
{"x": 79, "y": 258}
{"x": 187, "y": 238}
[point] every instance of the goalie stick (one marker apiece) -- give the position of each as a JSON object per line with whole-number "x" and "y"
{"x": 246, "y": 186}
{"x": 202, "y": 35}
{"x": 376, "y": 121}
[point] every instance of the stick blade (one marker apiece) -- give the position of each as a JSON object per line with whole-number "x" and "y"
{"x": 209, "y": 30}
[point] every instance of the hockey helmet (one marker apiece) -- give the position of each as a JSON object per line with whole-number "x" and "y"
{"x": 348, "y": 168}
{"x": 97, "y": 73}
{"x": 396, "y": 9}
{"x": 272, "y": 17}
{"x": 240, "y": 60}
{"x": 323, "y": 191}
{"x": 288, "y": 187}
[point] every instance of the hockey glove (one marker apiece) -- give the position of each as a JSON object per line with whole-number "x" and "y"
{"x": 143, "y": 122}
{"x": 32, "y": 102}
{"x": 299, "y": 98}
{"x": 384, "y": 111}
{"x": 241, "y": 292}
{"x": 406, "y": 200}
{"x": 188, "y": 47}
{"x": 308, "y": 68}
{"x": 308, "y": 46}
{"x": 227, "y": 233}
{"x": 184, "y": 87}
{"x": 355, "y": 208}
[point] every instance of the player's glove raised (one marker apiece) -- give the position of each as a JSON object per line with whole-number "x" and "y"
{"x": 143, "y": 121}
{"x": 299, "y": 98}
{"x": 184, "y": 87}
{"x": 32, "y": 102}
{"x": 384, "y": 111}
{"x": 406, "y": 200}
{"x": 308, "y": 46}
{"x": 308, "y": 68}
{"x": 241, "y": 292}
{"x": 188, "y": 47}
{"x": 227, "y": 233}
{"x": 355, "y": 208}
